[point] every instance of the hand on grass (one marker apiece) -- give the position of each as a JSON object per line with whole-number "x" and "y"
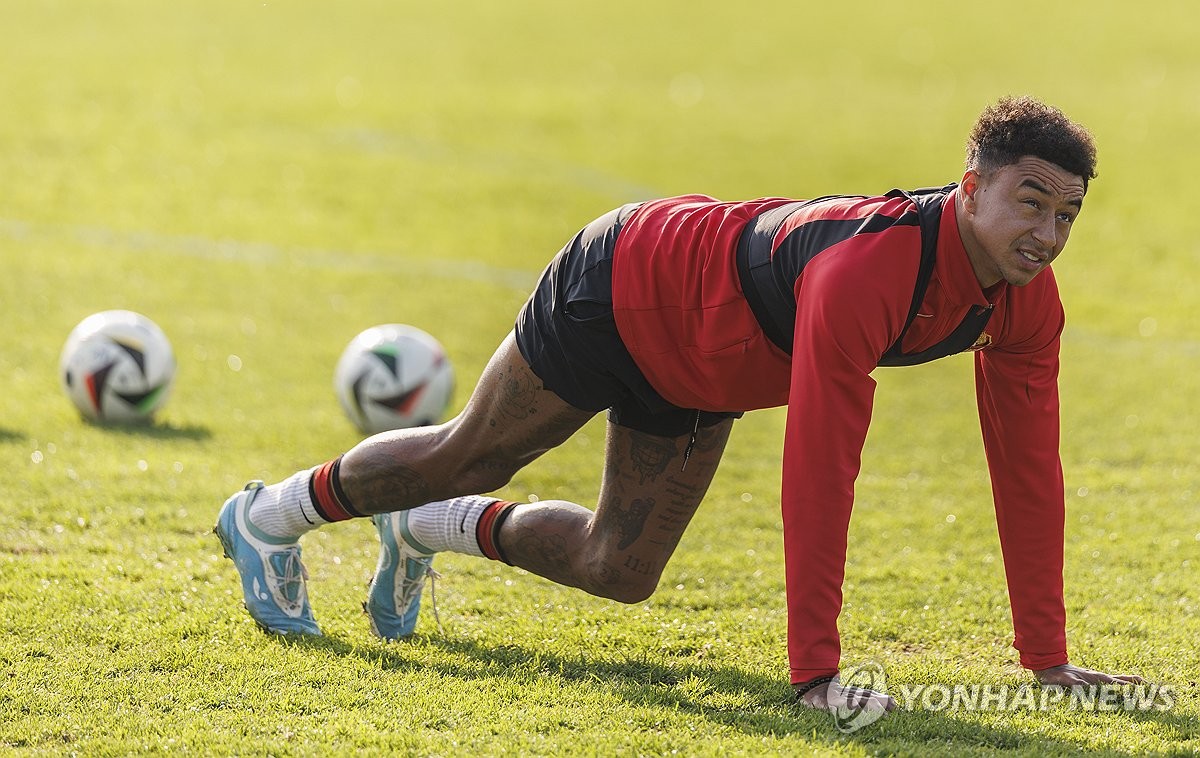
{"x": 833, "y": 695}
{"x": 1067, "y": 675}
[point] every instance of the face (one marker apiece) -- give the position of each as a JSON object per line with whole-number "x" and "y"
{"x": 1015, "y": 220}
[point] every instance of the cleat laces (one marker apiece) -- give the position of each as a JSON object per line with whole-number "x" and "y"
{"x": 291, "y": 575}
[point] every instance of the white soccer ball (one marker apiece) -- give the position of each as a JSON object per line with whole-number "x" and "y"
{"x": 117, "y": 366}
{"x": 394, "y": 376}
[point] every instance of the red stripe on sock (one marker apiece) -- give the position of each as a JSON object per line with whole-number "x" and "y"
{"x": 485, "y": 534}
{"x": 324, "y": 497}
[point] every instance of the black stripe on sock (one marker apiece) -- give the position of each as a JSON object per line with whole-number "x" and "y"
{"x": 335, "y": 481}
{"x": 501, "y": 517}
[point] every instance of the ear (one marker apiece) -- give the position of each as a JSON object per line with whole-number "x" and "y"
{"x": 969, "y": 189}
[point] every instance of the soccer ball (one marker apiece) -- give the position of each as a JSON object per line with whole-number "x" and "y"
{"x": 117, "y": 366}
{"x": 393, "y": 376}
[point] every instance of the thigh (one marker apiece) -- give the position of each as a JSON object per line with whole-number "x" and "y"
{"x": 510, "y": 419}
{"x": 511, "y": 416}
{"x": 648, "y": 496}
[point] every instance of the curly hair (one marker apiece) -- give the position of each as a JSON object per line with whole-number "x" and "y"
{"x": 1019, "y": 126}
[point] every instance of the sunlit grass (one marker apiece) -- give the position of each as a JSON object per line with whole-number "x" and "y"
{"x": 267, "y": 180}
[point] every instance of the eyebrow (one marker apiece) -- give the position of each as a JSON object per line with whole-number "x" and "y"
{"x": 1037, "y": 187}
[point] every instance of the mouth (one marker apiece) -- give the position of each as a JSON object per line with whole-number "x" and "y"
{"x": 1031, "y": 260}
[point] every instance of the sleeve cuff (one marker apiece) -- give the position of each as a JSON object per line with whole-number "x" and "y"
{"x": 801, "y": 676}
{"x": 1039, "y": 661}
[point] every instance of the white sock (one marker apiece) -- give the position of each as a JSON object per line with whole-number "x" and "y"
{"x": 450, "y": 524}
{"x": 285, "y": 510}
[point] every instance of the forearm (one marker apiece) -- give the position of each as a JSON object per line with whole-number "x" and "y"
{"x": 821, "y": 462}
{"x": 1019, "y": 419}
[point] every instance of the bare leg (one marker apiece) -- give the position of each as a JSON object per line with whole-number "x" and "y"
{"x": 647, "y": 498}
{"x": 510, "y": 420}
{"x": 647, "y": 494}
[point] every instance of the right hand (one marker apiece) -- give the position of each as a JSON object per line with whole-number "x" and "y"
{"x": 834, "y": 695}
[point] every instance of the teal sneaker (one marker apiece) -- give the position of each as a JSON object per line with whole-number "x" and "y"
{"x": 273, "y": 578}
{"x": 394, "y": 598}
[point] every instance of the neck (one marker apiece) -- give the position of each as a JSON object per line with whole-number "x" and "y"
{"x": 985, "y": 270}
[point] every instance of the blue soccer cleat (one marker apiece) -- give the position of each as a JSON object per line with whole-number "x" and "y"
{"x": 394, "y": 598}
{"x": 273, "y": 578}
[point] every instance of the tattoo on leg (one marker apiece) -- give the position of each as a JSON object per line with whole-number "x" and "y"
{"x": 550, "y": 551}
{"x": 493, "y": 464}
{"x": 711, "y": 438}
{"x": 549, "y": 433}
{"x": 399, "y": 487}
{"x": 606, "y": 574}
{"x": 671, "y": 523}
{"x": 650, "y": 455}
{"x": 518, "y": 395}
{"x": 639, "y": 566}
{"x": 631, "y": 520}
{"x": 409, "y": 486}
{"x": 685, "y": 492}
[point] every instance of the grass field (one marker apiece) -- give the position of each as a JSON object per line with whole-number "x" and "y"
{"x": 265, "y": 180}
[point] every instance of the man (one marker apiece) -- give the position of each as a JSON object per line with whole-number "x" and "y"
{"x": 676, "y": 316}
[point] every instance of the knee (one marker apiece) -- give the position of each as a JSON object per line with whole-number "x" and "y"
{"x": 486, "y": 470}
{"x": 472, "y": 467}
{"x": 631, "y": 593}
{"x": 622, "y": 585}
{"x": 486, "y": 473}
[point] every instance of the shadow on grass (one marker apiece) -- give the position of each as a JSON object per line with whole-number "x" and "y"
{"x": 155, "y": 430}
{"x": 750, "y": 703}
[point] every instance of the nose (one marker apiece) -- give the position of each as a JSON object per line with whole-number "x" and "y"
{"x": 1046, "y": 232}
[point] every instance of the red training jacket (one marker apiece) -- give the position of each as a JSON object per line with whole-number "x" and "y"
{"x": 853, "y": 262}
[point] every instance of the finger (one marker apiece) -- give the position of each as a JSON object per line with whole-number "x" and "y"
{"x": 1101, "y": 677}
{"x": 816, "y": 699}
{"x": 1097, "y": 677}
{"x": 880, "y": 702}
{"x": 858, "y": 699}
{"x": 1072, "y": 680}
{"x": 806, "y": 703}
{"x": 868, "y": 700}
{"x": 1092, "y": 676}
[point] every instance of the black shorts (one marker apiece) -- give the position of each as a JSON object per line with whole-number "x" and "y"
{"x": 567, "y": 334}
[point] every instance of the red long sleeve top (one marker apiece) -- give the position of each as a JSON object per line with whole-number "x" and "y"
{"x": 681, "y": 311}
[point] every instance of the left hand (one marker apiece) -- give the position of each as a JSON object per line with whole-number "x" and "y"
{"x": 1067, "y": 675}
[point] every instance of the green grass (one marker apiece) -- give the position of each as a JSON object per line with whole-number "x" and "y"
{"x": 265, "y": 180}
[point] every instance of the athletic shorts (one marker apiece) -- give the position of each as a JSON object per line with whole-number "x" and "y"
{"x": 567, "y": 334}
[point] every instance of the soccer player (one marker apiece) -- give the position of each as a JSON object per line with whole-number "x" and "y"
{"x": 676, "y": 316}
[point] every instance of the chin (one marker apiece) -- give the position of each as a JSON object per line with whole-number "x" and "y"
{"x": 1021, "y": 278}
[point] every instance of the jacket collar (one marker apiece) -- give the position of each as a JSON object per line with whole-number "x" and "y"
{"x": 954, "y": 268}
